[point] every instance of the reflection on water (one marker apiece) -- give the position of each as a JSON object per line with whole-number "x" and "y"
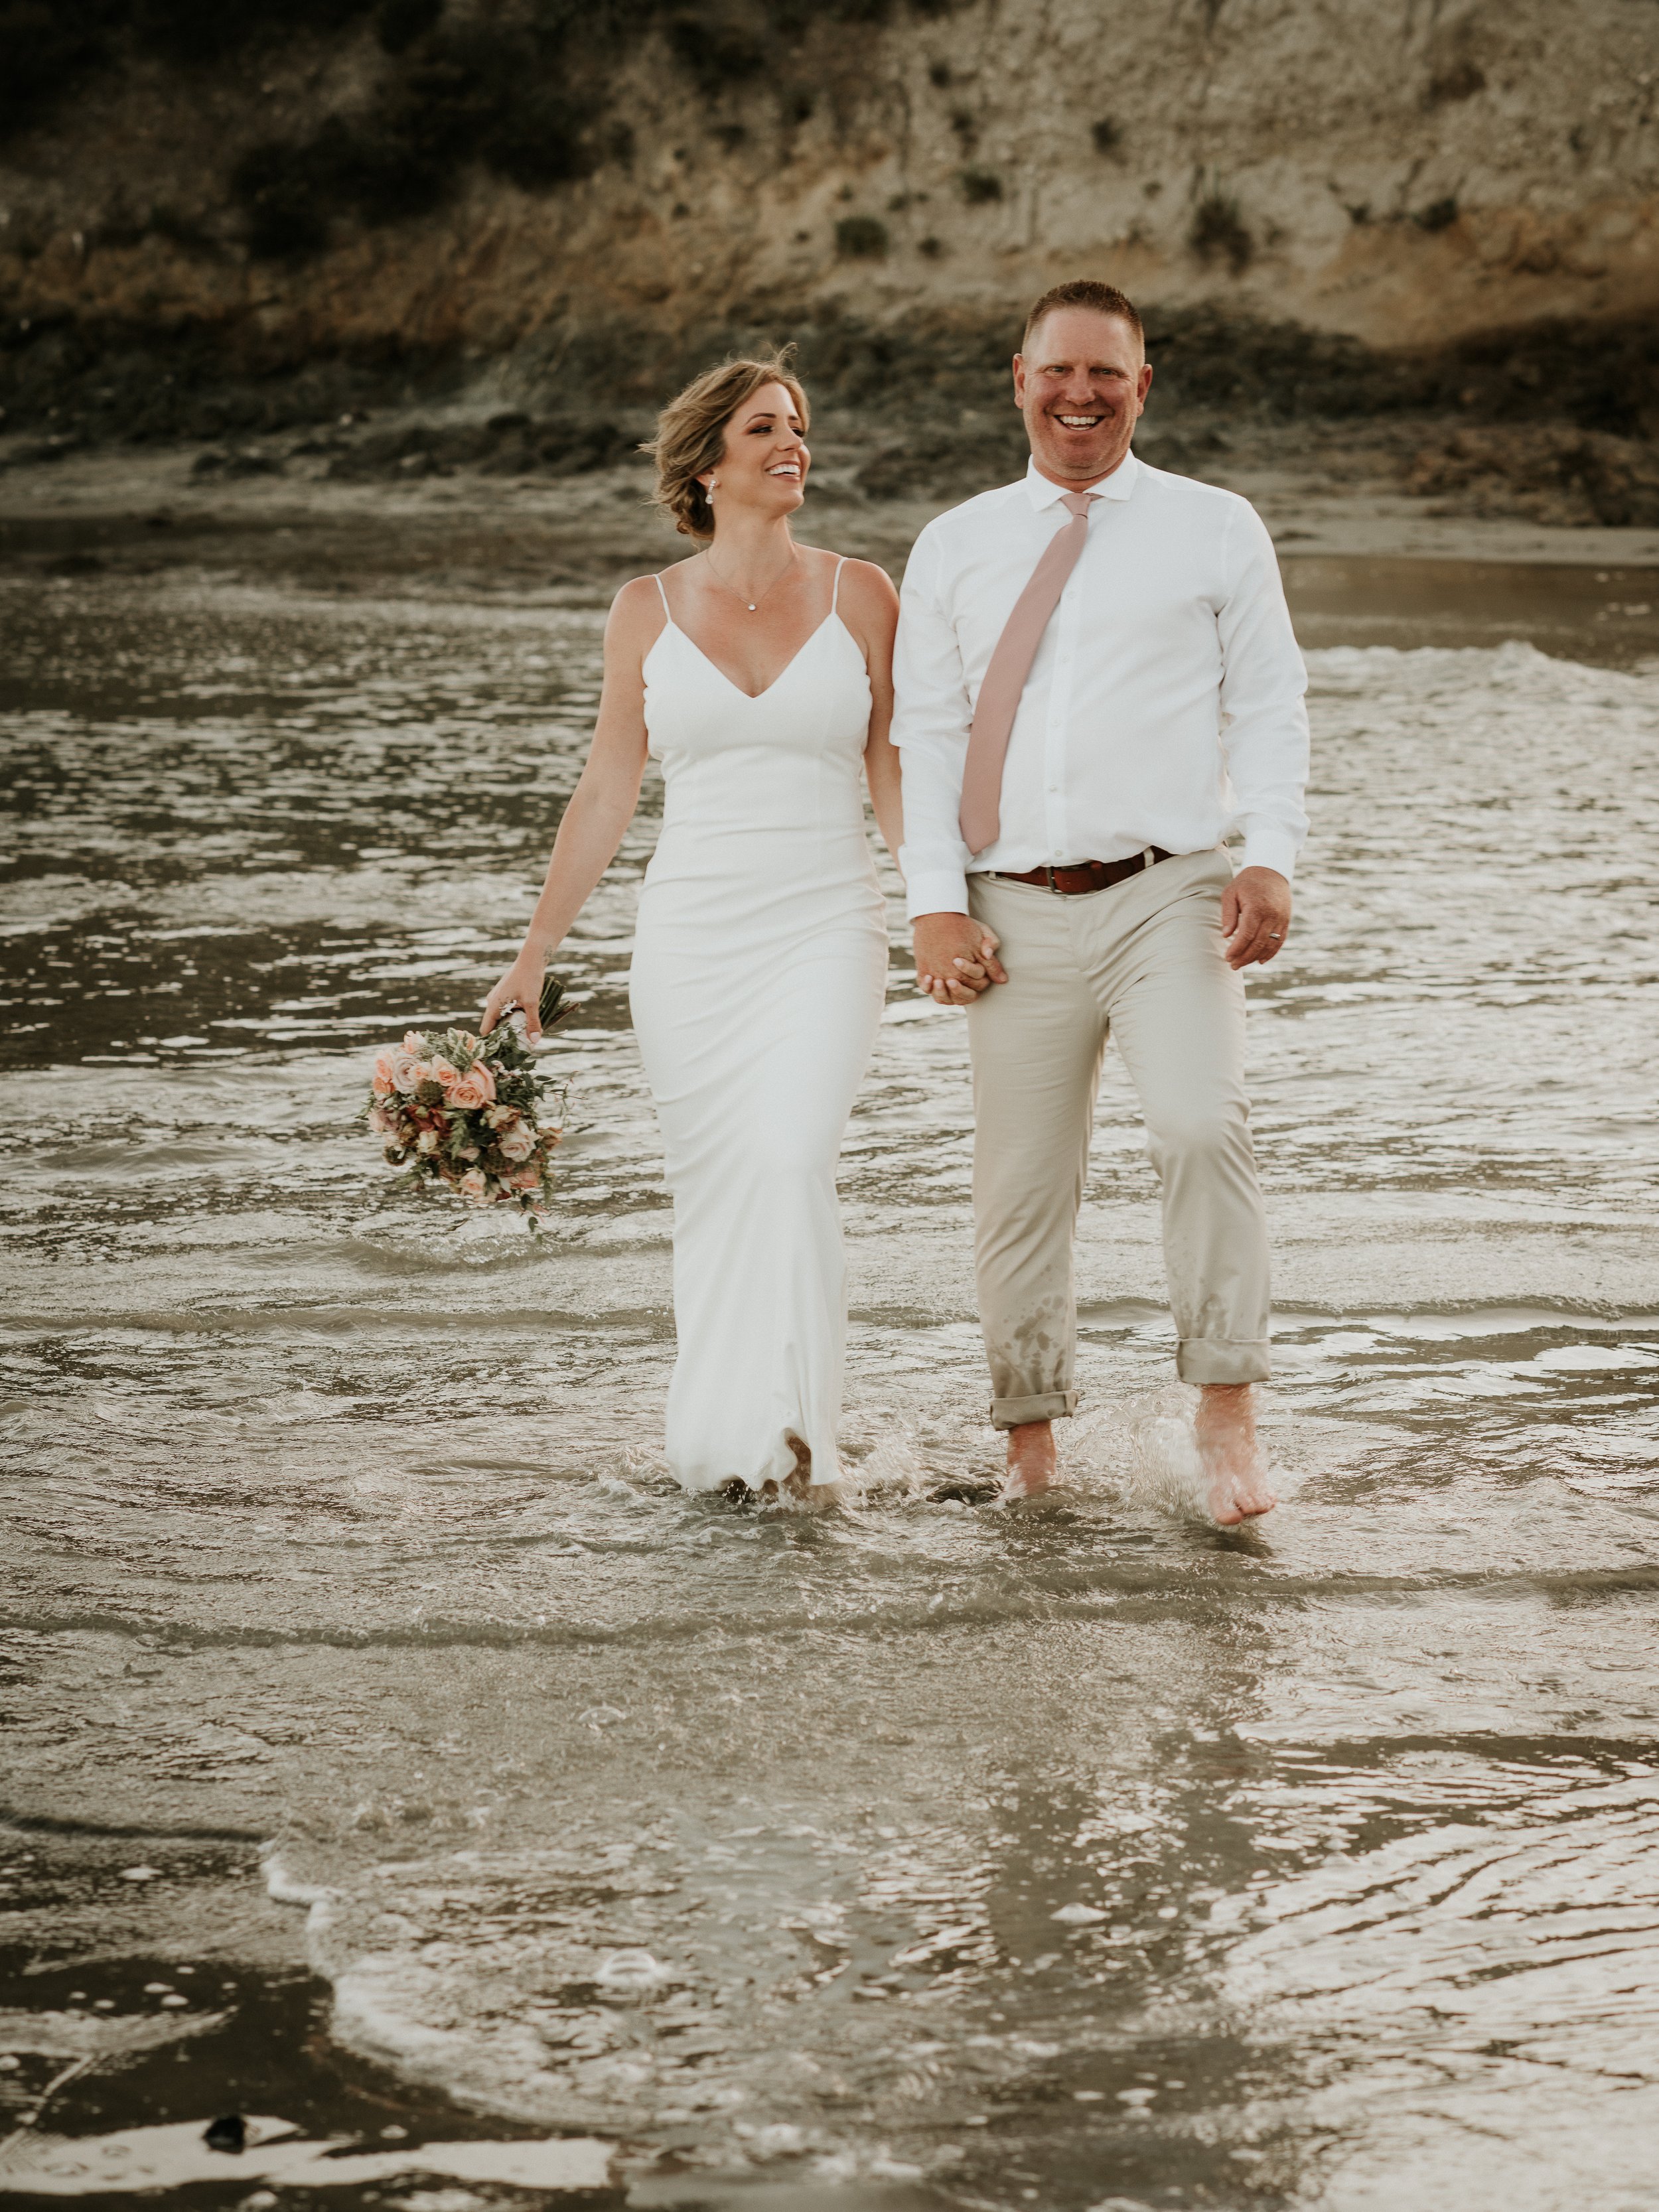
{"x": 1074, "y": 1857}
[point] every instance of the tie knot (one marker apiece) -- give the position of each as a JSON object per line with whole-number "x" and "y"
{"x": 1077, "y": 502}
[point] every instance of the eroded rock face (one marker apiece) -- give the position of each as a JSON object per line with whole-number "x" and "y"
{"x": 1549, "y": 472}
{"x": 1366, "y": 166}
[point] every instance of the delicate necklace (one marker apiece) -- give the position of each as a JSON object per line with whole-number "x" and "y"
{"x": 752, "y": 605}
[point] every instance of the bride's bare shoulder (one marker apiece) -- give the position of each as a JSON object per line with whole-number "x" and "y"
{"x": 637, "y": 610}
{"x": 637, "y": 619}
{"x": 868, "y": 591}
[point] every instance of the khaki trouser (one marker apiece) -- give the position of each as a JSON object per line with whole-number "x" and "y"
{"x": 1143, "y": 963}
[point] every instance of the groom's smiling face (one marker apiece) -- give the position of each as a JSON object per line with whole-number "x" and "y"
{"x": 1080, "y": 383}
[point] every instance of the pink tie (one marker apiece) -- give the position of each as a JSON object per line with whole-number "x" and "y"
{"x": 1005, "y": 678}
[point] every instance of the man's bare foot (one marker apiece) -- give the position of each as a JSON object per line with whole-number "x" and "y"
{"x": 1235, "y": 1471}
{"x": 1030, "y": 1460}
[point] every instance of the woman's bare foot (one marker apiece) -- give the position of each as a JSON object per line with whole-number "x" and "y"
{"x": 1235, "y": 1471}
{"x": 798, "y": 1482}
{"x": 1031, "y": 1468}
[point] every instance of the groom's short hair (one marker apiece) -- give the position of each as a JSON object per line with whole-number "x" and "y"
{"x": 1086, "y": 292}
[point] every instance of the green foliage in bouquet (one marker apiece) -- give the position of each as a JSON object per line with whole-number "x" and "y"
{"x": 469, "y": 1113}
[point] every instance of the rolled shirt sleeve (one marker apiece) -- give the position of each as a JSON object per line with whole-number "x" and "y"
{"x": 932, "y": 717}
{"x": 1264, "y": 714}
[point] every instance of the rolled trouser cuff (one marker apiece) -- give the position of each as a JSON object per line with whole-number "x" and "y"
{"x": 1047, "y": 1406}
{"x": 1204, "y": 1360}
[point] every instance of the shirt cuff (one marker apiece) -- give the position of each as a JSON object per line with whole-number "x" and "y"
{"x": 1266, "y": 846}
{"x": 936, "y": 890}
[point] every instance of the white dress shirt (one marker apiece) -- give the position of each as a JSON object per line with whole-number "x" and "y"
{"x": 1165, "y": 703}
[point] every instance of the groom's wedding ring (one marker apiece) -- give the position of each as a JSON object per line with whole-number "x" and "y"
{"x": 1275, "y": 933}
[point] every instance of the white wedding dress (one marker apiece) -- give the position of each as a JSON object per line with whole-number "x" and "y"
{"x": 760, "y": 960}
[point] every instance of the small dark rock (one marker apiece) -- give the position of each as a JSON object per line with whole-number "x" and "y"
{"x": 52, "y": 448}
{"x": 229, "y": 2133}
{"x": 964, "y": 1490}
{"x": 248, "y": 462}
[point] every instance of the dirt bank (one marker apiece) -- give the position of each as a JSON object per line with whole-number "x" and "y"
{"x": 440, "y": 177}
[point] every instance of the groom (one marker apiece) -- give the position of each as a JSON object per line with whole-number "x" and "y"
{"x": 1096, "y": 683}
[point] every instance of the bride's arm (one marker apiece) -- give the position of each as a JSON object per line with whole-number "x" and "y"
{"x": 599, "y": 809}
{"x": 873, "y": 619}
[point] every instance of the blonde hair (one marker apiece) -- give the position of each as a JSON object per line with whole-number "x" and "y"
{"x": 690, "y": 436}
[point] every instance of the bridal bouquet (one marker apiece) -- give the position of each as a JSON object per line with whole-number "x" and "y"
{"x": 467, "y": 1112}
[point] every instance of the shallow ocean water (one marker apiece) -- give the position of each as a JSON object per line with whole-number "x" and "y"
{"x": 921, "y": 1852}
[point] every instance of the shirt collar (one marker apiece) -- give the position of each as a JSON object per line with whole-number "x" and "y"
{"x": 1119, "y": 485}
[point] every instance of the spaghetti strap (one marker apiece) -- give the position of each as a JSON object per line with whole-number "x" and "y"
{"x": 663, "y": 596}
{"x": 835, "y": 595}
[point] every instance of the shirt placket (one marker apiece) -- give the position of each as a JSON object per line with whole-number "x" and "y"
{"x": 1056, "y": 810}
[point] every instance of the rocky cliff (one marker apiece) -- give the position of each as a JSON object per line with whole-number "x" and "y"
{"x": 453, "y": 182}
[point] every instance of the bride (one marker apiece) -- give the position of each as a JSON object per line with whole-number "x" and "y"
{"x": 758, "y": 672}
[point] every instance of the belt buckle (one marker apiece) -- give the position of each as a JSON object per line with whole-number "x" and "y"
{"x": 1047, "y": 869}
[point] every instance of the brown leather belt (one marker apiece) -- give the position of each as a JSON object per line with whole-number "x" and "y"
{"x": 1086, "y": 875}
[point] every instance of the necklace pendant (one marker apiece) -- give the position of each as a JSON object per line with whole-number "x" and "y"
{"x": 752, "y": 606}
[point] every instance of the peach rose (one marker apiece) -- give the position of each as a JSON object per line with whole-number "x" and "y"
{"x": 384, "y": 1083}
{"x": 473, "y": 1185}
{"x": 517, "y": 1143}
{"x": 476, "y": 1088}
{"x": 380, "y": 1122}
{"x": 440, "y": 1070}
{"x": 526, "y": 1179}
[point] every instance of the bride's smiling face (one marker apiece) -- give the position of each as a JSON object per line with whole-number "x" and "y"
{"x": 765, "y": 462}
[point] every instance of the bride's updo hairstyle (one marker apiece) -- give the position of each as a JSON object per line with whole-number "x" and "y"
{"x": 691, "y": 438}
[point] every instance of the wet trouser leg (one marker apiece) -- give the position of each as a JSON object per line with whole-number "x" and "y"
{"x": 1143, "y": 961}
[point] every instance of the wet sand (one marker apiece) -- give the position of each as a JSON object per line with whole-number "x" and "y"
{"x": 1362, "y": 566}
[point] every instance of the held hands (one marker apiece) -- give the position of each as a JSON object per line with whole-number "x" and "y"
{"x": 1256, "y": 915}
{"x": 521, "y": 987}
{"x": 955, "y": 958}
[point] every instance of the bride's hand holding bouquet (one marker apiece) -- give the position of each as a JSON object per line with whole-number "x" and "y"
{"x": 522, "y": 987}
{"x": 470, "y": 1112}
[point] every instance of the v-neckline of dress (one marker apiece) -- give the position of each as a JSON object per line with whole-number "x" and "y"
{"x": 752, "y": 696}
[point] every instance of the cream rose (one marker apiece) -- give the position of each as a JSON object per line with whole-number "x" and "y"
{"x": 517, "y": 1143}
{"x": 473, "y": 1184}
{"x": 476, "y": 1088}
{"x": 404, "y": 1066}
